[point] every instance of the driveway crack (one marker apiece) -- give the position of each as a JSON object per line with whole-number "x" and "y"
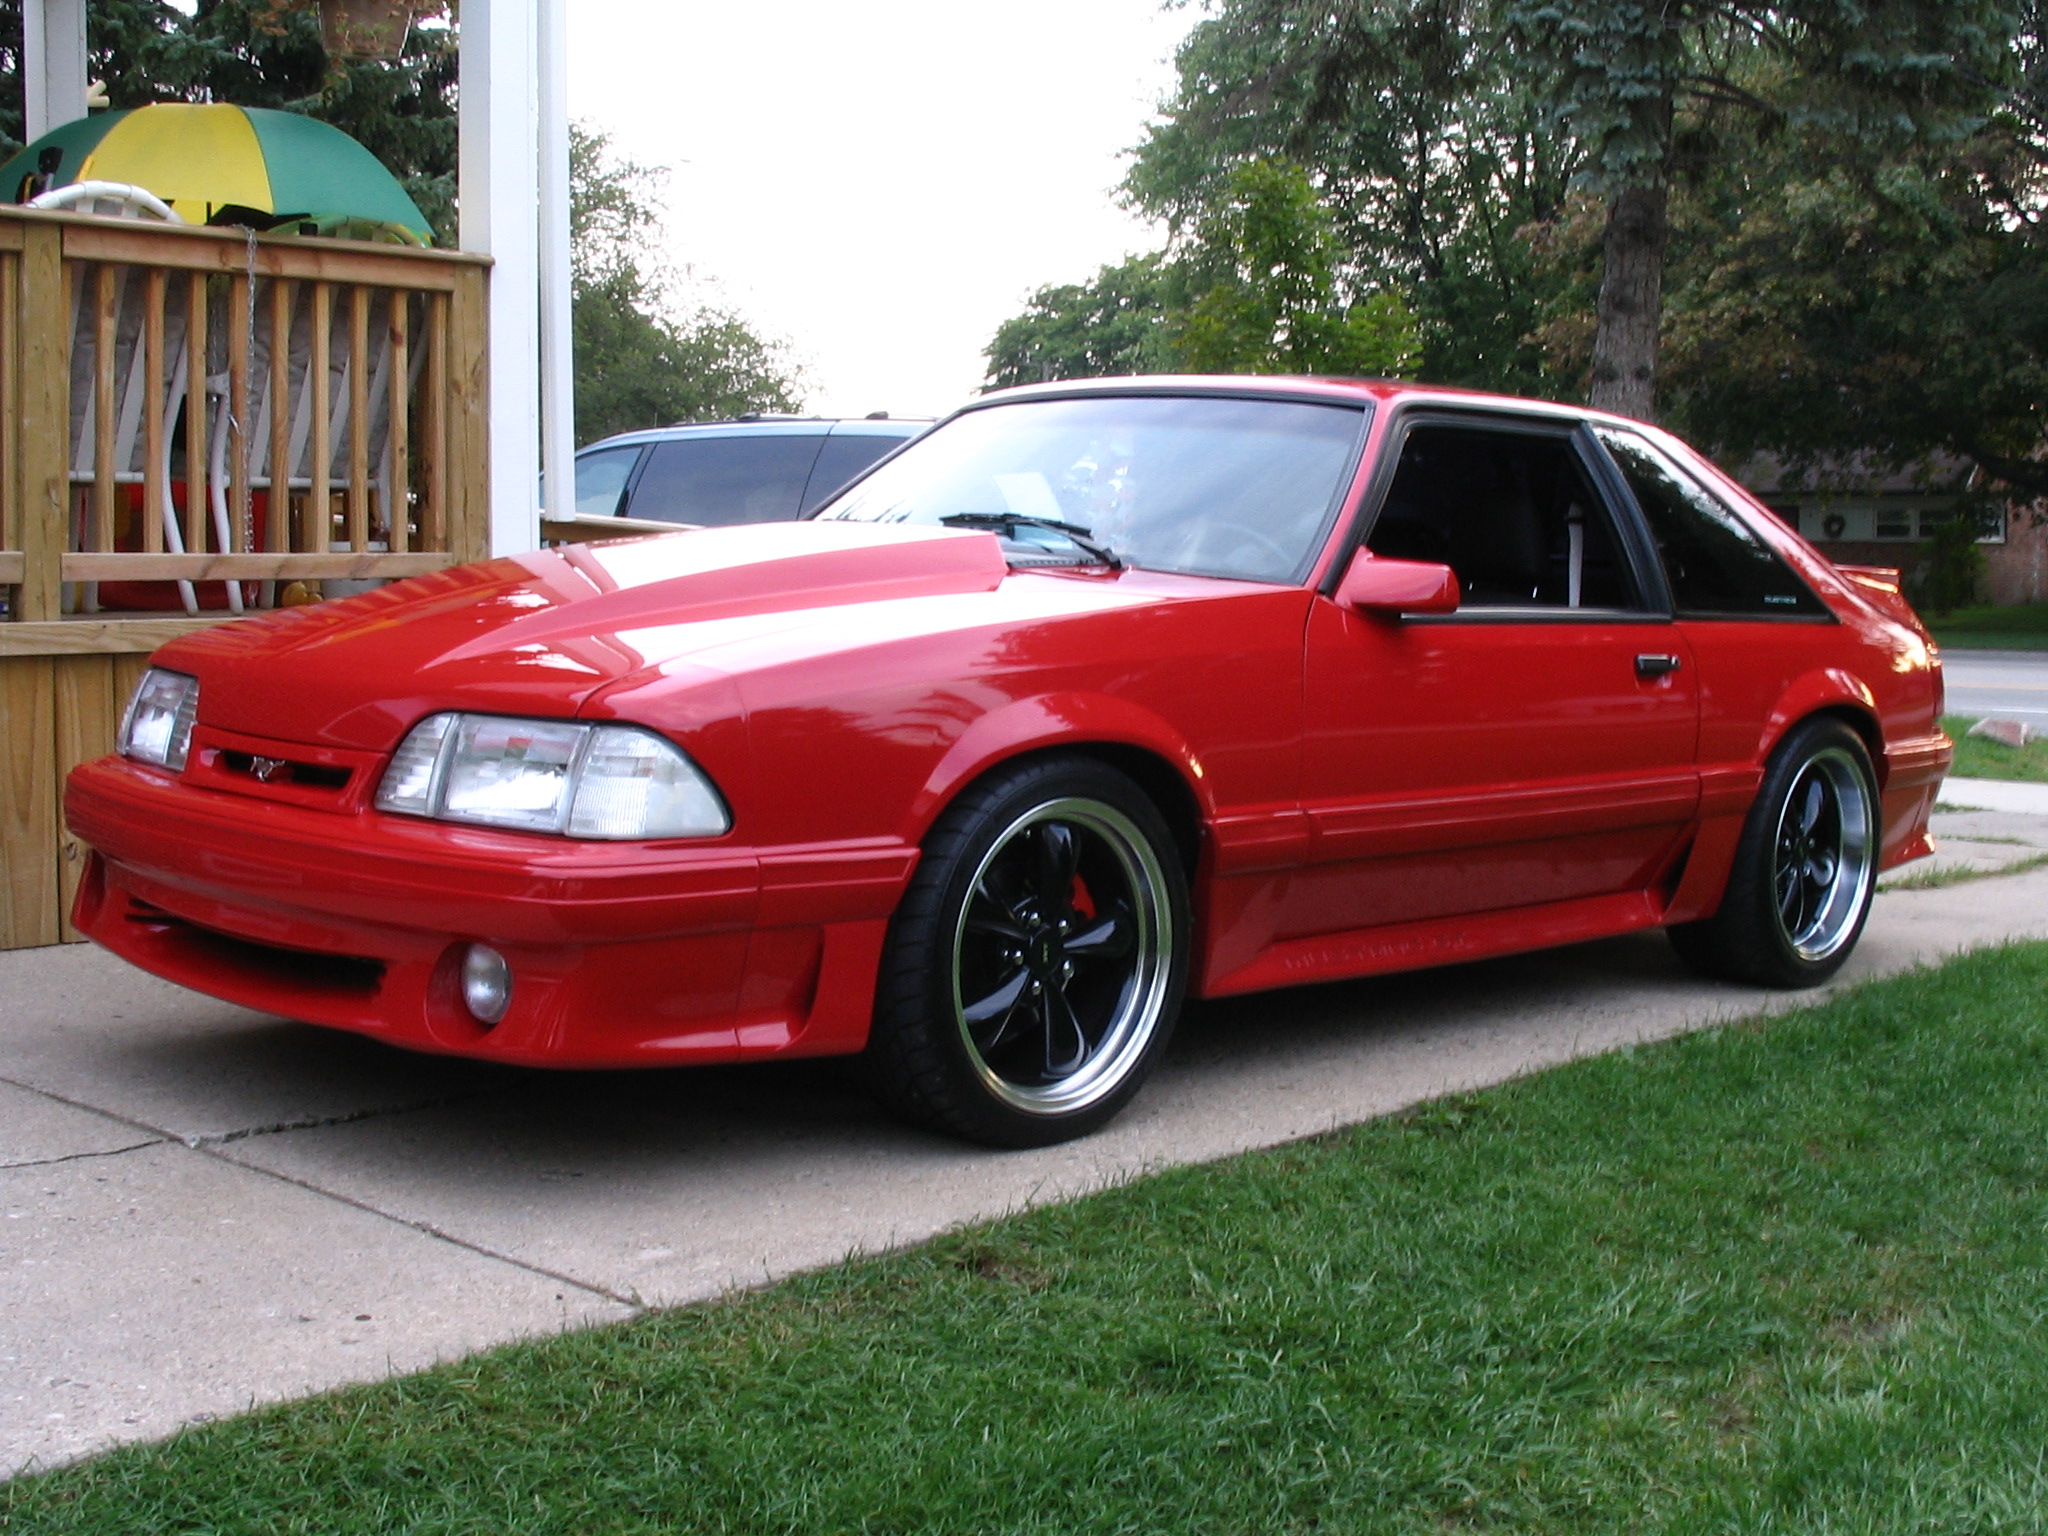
{"x": 79, "y": 1157}
{"x": 633, "y": 1304}
{"x": 321, "y": 1122}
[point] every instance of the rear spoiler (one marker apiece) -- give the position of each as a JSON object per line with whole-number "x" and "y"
{"x": 1884, "y": 588}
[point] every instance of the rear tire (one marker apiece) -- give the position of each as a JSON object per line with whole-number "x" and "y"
{"x": 1804, "y": 872}
{"x": 1034, "y": 970}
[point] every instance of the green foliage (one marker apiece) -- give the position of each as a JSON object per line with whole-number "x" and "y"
{"x": 1899, "y": 307}
{"x": 1426, "y": 142}
{"x": 1253, "y": 285}
{"x": 1951, "y": 569}
{"x": 1783, "y": 1276}
{"x": 1264, "y": 293}
{"x": 1091, "y": 330}
{"x": 1446, "y": 137}
{"x": 642, "y": 358}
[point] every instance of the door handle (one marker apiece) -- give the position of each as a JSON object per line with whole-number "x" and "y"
{"x": 1652, "y": 666}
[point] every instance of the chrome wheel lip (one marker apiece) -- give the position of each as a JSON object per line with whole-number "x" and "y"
{"x": 1142, "y": 1003}
{"x": 1824, "y": 855}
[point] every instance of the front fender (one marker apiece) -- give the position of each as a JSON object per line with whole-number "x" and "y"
{"x": 1051, "y": 721}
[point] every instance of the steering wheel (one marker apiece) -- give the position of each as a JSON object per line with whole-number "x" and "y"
{"x": 133, "y": 201}
{"x": 1240, "y": 535}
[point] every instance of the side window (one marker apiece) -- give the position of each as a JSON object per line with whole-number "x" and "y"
{"x": 1716, "y": 563}
{"x": 1513, "y": 513}
{"x": 600, "y": 477}
{"x": 844, "y": 456}
{"x": 718, "y": 481}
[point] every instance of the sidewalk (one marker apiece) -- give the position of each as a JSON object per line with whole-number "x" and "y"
{"x": 1995, "y": 795}
{"x": 202, "y": 1208}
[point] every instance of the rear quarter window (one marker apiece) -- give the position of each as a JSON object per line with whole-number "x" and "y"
{"x": 1718, "y": 566}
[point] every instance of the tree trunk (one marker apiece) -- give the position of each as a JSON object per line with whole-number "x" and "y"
{"x": 1631, "y": 301}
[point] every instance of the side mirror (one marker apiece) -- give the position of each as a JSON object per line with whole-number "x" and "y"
{"x": 1374, "y": 584}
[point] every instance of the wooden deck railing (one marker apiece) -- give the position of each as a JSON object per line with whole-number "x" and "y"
{"x": 195, "y": 424}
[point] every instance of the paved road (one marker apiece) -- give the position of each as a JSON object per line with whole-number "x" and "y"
{"x": 201, "y": 1207}
{"x": 2010, "y": 684}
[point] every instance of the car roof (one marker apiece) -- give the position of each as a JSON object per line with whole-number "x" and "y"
{"x": 1304, "y": 387}
{"x": 769, "y": 426}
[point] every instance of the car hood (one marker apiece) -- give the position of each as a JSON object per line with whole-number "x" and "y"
{"x": 543, "y": 633}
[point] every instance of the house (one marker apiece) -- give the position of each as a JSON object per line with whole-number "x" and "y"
{"x": 1857, "y": 512}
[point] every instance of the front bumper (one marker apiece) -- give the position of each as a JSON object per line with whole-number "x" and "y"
{"x": 622, "y": 954}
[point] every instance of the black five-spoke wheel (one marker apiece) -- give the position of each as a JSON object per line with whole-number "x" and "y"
{"x": 1036, "y": 965}
{"x": 1805, "y": 870}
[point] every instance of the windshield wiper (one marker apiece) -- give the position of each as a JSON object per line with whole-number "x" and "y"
{"x": 1010, "y": 522}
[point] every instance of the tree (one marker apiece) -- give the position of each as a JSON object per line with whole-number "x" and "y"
{"x": 643, "y": 358}
{"x": 1263, "y": 292}
{"x": 1111, "y": 325}
{"x": 1873, "y": 76}
{"x": 1422, "y": 137}
{"x": 1447, "y": 132}
{"x": 1253, "y": 284}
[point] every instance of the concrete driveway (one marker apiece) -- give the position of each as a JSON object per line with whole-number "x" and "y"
{"x": 202, "y": 1208}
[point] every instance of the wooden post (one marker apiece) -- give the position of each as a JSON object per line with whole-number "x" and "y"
{"x": 398, "y": 481}
{"x": 319, "y": 509}
{"x": 278, "y": 526}
{"x": 471, "y": 467}
{"x": 359, "y": 418}
{"x": 43, "y": 432}
{"x": 156, "y": 490}
{"x": 195, "y": 413}
{"x": 239, "y": 424}
{"x": 105, "y": 425}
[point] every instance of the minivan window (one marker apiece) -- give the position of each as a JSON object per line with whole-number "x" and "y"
{"x": 600, "y": 477}
{"x": 844, "y": 455}
{"x": 718, "y": 481}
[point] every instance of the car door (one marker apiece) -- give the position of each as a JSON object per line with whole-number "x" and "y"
{"x": 1750, "y": 624}
{"x": 1537, "y": 745}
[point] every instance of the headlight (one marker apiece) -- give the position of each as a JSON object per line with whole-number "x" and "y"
{"x": 596, "y": 781}
{"x": 158, "y": 725}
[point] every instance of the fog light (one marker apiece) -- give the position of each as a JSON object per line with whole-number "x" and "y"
{"x": 486, "y": 983}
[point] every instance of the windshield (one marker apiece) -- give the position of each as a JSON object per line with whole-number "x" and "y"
{"x": 1201, "y": 484}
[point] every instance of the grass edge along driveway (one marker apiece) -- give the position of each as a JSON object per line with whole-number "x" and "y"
{"x": 1779, "y": 1276}
{"x": 1978, "y": 758}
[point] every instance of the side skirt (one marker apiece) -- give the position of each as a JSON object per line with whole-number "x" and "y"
{"x": 1440, "y": 941}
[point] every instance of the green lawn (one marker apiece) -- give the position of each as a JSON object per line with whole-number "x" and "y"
{"x": 1977, "y": 758}
{"x": 1779, "y": 1277}
{"x": 2012, "y": 629}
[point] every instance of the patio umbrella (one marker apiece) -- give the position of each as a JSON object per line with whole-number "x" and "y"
{"x": 227, "y": 165}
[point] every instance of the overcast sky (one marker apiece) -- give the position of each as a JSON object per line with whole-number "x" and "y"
{"x": 881, "y": 185}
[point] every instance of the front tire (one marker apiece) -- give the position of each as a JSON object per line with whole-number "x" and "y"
{"x": 1035, "y": 968}
{"x": 1804, "y": 872}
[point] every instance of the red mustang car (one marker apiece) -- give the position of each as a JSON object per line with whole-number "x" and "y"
{"x": 1095, "y": 695}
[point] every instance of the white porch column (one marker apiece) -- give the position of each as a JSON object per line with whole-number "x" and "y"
{"x": 557, "y": 363}
{"x": 514, "y": 196}
{"x": 52, "y": 64}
